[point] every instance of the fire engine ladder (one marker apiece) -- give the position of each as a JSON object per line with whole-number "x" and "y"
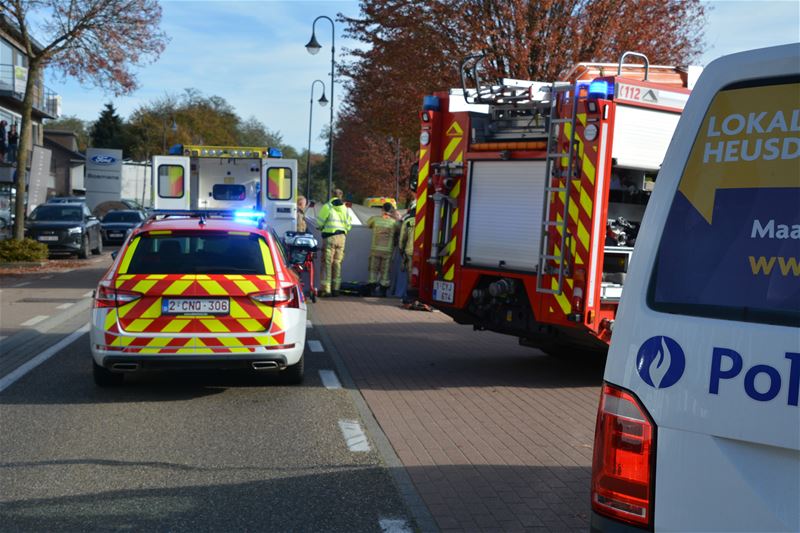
{"x": 559, "y": 182}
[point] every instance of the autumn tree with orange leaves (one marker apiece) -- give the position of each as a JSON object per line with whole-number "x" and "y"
{"x": 95, "y": 41}
{"x": 414, "y": 47}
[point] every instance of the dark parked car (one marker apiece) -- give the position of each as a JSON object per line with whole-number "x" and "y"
{"x": 116, "y": 224}
{"x": 65, "y": 229}
{"x": 67, "y": 200}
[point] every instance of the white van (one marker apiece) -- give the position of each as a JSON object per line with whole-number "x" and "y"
{"x": 698, "y": 427}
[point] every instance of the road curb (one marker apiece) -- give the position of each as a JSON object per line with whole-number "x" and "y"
{"x": 422, "y": 516}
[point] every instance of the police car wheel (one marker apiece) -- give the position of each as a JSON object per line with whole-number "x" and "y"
{"x": 293, "y": 375}
{"x": 106, "y": 378}
{"x": 84, "y": 252}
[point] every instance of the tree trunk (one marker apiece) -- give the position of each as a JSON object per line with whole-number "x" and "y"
{"x": 24, "y": 147}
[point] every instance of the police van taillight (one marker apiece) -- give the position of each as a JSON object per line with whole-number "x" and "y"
{"x": 623, "y": 473}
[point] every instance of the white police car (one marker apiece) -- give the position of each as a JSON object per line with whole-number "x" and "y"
{"x": 698, "y": 427}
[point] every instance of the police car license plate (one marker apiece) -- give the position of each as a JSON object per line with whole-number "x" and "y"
{"x": 48, "y": 238}
{"x": 195, "y": 306}
{"x": 443, "y": 291}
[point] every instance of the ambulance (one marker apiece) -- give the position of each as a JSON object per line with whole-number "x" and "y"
{"x": 193, "y": 177}
{"x": 698, "y": 426}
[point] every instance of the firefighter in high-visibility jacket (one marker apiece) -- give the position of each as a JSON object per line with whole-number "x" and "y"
{"x": 384, "y": 231}
{"x": 334, "y": 224}
{"x": 406, "y": 246}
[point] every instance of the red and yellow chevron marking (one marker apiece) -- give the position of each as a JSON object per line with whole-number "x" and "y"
{"x": 422, "y": 196}
{"x": 579, "y": 213}
{"x": 453, "y": 152}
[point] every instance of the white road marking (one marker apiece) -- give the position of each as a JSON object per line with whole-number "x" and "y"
{"x": 315, "y": 346}
{"x": 87, "y": 295}
{"x": 21, "y": 284}
{"x": 64, "y": 306}
{"x": 329, "y": 379}
{"x": 46, "y": 277}
{"x": 65, "y": 271}
{"x": 354, "y": 436}
{"x": 23, "y": 369}
{"x": 309, "y": 325}
{"x": 393, "y": 525}
{"x": 35, "y": 320}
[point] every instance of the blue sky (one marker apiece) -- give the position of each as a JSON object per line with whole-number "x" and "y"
{"x": 252, "y": 54}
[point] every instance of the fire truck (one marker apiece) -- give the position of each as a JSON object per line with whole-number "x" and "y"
{"x": 530, "y": 196}
{"x": 228, "y": 177}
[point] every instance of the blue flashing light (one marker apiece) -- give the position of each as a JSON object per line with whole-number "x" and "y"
{"x": 248, "y": 215}
{"x": 274, "y": 152}
{"x": 601, "y": 89}
{"x": 430, "y": 103}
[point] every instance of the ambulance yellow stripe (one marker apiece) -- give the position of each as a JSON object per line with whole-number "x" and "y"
{"x": 126, "y": 261}
{"x": 122, "y": 341}
{"x": 125, "y": 309}
{"x": 588, "y": 169}
{"x": 454, "y": 219}
{"x": 175, "y": 326}
{"x": 154, "y": 311}
{"x": 144, "y": 286}
{"x": 586, "y": 203}
{"x": 562, "y": 300}
{"x": 419, "y": 228}
{"x": 268, "y": 267}
{"x": 250, "y": 325}
{"x": 234, "y": 277}
{"x": 139, "y": 324}
{"x": 157, "y": 342}
{"x": 277, "y": 320}
{"x": 231, "y": 342}
{"x": 214, "y": 326}
{"x": 111, "y": 319}
{"x": 177, "y": 287}
{"x": 266, "y": 310}
{"x": 266, "y": 340}
{"x": 448, "y": 276}
{"x": 573, "y": 211}
{"x": 247, "y": 287}
{"x": 451, "y": 147}
{"x": 423, "y": 199}
{"x": 200, "y": 347}
{"x": 212, "y": 287}
{"x": 237, "y": 311}
{"x": 126, "y": 277}
{"x": 583, "y": 236}
{"x": 156, "y": 276}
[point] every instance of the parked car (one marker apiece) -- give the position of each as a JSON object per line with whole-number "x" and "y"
{"x": 66, "y": 228}
{"x": 198, "y": 291}
{"x": 67, "y": 200}
{"x": 116, "y": 225}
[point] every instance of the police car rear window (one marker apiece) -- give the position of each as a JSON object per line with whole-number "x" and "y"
{"x": 207, "y": 253}
{"x": 731, "y": 244}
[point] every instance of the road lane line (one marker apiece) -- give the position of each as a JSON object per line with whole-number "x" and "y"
{"x": 64, "y": 306}
{"x": 35, "y": 320}
{"x": 87, "y": 295}
{"x": 354, "y": 436}
{"x": 315, "y": 346}
{"x": 330, "y": 379}
{"x": 66, "y": 271}
{"x": 46, "y": 277}
{"x": 393, "y": 525}
{"x": 21, "y": 284}
{"x": 23, "y": 369}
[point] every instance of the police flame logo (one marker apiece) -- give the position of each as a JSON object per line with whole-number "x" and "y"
{"x": 660, "y": 362}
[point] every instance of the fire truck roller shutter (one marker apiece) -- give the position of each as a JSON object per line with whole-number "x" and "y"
{"x": 642, "y": 136}
{"x": 504, "y": 218}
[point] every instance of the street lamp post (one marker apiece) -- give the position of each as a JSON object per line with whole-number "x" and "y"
{"x": 394, "y": 142}
{"x": 323, "y": 102}
{"x": 313, "y": 48}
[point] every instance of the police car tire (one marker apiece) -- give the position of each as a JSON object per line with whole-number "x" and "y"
{"x": 293, "y": 375}
{"x": 106, "y": 378}
{"x": 84, "y": 252}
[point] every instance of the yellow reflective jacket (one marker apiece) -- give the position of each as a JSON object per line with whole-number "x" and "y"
{"x": 407, "y": 236}
{"x": 334, "y": 218}
{"x": 384, "y": 229}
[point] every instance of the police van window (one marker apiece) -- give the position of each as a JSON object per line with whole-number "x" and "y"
{"x": 170, "y": 181}
{"x": 731, "y": 244}
{"x": 229, "y": 192}
{"x": 279, "y": 182}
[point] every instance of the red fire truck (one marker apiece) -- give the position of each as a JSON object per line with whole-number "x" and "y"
{"x": 530, "y": 195}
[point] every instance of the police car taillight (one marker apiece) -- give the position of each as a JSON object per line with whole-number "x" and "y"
{"x": 107, "y": 296}
{"x": 624, "y": 451}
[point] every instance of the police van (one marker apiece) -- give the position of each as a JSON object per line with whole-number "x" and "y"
{"x": 698, "y": 427}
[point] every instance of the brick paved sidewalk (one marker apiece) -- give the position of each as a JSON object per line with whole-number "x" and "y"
{"x": 495, "y": 436}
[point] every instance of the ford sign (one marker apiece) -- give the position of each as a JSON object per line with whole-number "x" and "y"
{"x": 103, "y": 159}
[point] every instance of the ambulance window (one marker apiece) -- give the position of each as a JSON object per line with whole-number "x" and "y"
{"x": 229, "y": 192}
{"x": 170, "y": 181}
{"x": 279, "y": 182}
{"x": 731, "y": 244}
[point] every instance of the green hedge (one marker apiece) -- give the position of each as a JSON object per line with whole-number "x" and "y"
{"x": 25, "y": 250}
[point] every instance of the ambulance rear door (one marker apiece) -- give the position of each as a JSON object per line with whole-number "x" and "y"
{"x": 279, "y": 194}
{"x": 170, "y": 187}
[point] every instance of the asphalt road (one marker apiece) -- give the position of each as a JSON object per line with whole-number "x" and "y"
{"x": 180, "y": 452}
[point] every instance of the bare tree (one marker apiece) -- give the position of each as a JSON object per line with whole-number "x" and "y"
{"x": 95, "y": 41}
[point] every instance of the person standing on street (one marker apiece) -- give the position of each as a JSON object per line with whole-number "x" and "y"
{"x": 406, "y": 246}
{"x": 384, "y": 229}
{"x": 334, "y": 224}
{"x": 13, "y": 141}
{"x": 302, "y": 227}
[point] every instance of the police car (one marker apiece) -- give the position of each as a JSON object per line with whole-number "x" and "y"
{"x": 698, "y": 427}
{"x": 205, "y": 289}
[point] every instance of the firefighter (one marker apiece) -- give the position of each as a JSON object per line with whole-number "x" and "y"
{"x": 301, "y": 214}
{"x": 406, "y": 246}
{"x": 384, "y": 230}
{"x": 334, "y": 224}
